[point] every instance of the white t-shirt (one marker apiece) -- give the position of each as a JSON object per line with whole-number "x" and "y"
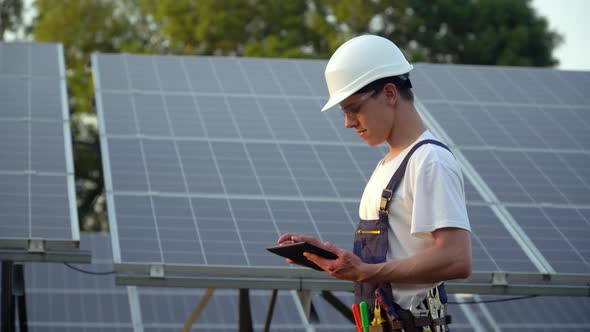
{"x": 430, "y": 196}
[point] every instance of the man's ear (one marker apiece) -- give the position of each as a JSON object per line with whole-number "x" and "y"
{"x": 391, "y": 93}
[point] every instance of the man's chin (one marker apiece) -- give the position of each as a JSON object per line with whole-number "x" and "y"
{"x": 372, "y": 142}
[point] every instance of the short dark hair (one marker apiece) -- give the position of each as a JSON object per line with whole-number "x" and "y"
{"x": 401, "y": 82}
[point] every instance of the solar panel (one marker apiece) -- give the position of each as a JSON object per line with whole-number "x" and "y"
{"x": 525, "y": 132}
{"x": 210, "y": 173}
{"x": 551, "y": 313}
{"x": 61, "y": 299}
{"x": 37, "y": 195}
{"x": 207, "y": 164}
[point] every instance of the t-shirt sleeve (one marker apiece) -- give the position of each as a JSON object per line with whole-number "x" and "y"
{"x": 439, "y": 199}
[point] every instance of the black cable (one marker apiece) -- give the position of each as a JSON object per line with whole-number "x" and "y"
{"x": 496, "y": 300}
{"x": 89, "y": 272}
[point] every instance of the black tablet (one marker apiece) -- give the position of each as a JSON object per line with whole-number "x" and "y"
{"x": 295, "y": 253}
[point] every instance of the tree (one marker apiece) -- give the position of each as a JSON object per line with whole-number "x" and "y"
{"x": 11, "y": 16}
{"x": 489, "y": 32}
{"x": 84, "y": 27}
{"x": 272, "y": 28}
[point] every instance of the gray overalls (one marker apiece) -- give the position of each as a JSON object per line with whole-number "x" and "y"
{"x": 371, "y": 244}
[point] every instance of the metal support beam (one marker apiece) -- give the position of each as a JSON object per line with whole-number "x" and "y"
{"x": 195, "y": 314}
{"x": 271, "y": 308}
{"x": 308, "y": 308}
{"x": 7, "y": 298}
{"x": 20, "y": 297}
{"x": 338, "y": 305}
{"x": 477, "y": 283}
{"x": 57, "y": 255}
{"x": 245, "y": 314}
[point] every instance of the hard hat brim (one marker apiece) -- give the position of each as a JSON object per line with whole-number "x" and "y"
{"x": 335, "y": 99}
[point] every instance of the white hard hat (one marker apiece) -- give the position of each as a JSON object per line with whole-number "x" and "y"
{"x": 359, "y": 62}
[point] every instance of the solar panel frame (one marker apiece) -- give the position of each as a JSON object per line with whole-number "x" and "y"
{"x": 43, "y": 80}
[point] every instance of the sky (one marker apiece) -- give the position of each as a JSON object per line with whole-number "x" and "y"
{"x": 571, "y": 19}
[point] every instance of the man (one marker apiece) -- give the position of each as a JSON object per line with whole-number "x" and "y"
{"x": 414, "y": 231}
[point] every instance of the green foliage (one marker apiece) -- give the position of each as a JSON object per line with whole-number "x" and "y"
{"x": 490, "y": 32}
{"x": 11, "y": 16}
{"x": 273, "y": 28}
{"x": 83, "y": 27}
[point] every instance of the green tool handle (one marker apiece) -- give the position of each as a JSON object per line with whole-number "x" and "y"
{"x": 364, "y": 307}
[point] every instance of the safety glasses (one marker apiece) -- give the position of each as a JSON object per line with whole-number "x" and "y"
{"x": 356, "y": 107}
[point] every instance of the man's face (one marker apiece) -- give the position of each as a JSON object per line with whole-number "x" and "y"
{"x": 368, "y": 115}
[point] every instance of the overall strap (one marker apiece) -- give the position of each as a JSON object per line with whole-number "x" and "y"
{"x": 396, "y": 179}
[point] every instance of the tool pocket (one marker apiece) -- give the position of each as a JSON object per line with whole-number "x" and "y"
{"x": 370, "y": 241}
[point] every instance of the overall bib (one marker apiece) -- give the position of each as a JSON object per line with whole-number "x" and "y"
{"x": 371, "y": 245}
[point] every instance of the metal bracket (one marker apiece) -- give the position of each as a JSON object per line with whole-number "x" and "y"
{"x": 36, "y": 245}
{"x": 499, "y": 279}
{"x": 307, "y": 306}
{"x": 156, "y": 271}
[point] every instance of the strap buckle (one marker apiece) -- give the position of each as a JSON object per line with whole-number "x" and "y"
{"x": 386, "y": 196}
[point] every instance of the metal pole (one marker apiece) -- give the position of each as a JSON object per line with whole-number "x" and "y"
{"x": 195, "y": 314}
{"x": 338, "y": 305}
{"x": 271, "y": 308}
{"x": 20, "y": 297}
{"x": 245, "y": 314}
{"x": 7, "y": 298}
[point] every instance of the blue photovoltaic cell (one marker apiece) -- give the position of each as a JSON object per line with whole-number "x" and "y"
{"x": 560, "y": 234}
{"x": 493, "y": 248}
{"x": 36, "y": 173}
{"x": 551, "y": 313}
{"x": 525, "y": 131}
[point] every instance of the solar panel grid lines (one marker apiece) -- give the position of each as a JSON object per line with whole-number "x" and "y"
{"x": 550, "y": 229}
{"x": 551, "y": 312}
{"x": 61, "y": 299}
{"x": 263, "y": 183}
{"x": 38, "y": 195}
{"x": 249, "y": 158}
{"x": 489, "y": 196}
{"x": 281, "y": 150}
{"x": 331, "y": 183}
{"x": 521, "y": 144}
{"x": 472, "y": 84}
{"x": 315, "y": 152}
{"x": 192, "y": 210}
{"x": 145, "y": 167}
{"x": 580, "y": 195}
{"x": 341, "y": 137}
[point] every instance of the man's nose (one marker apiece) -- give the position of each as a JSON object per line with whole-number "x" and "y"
{"x": 350, "y": 120}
